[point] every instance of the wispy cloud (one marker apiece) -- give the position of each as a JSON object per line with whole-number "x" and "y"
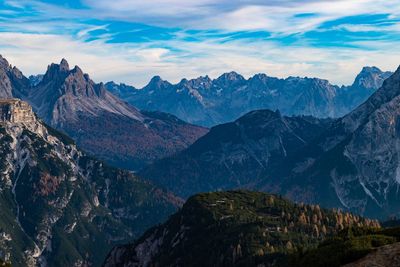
{"x": 130, "y": 40}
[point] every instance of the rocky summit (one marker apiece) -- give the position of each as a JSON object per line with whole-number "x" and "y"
{"x": 61, "y": 207}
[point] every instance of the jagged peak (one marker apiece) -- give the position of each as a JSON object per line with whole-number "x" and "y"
{"x": 64, "y": 65}
{"x": 4, "y": 63}
{"x": 260, "y": 76}
{"x": 230, "y": 76}
{"x": 196, "y": 81}
{"x": 77, "y": 71}
{"x": 157, "y": 82}
{"x": 390, "y": 89}
{"x": 156, "y": 78}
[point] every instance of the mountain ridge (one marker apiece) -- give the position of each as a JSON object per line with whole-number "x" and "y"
{"x": 234, "y": 228}
{"x": 209, "y": 102}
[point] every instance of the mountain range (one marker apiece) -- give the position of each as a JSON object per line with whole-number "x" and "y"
{"x": 208, "y": 102}
{"x": 61, "y": 207}
{"x": 102, "y": 124}
{"x": 351, "y": 162}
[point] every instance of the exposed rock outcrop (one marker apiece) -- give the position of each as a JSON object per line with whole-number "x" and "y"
{"x": 386, "y": 256}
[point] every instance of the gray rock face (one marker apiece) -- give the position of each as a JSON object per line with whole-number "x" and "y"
{"x": 388, "y": 255}
{"x": 60, "y": 207}
{"x": 209, "y": 102}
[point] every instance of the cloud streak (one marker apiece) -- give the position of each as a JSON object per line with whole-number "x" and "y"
{"x": 130, "y": 41}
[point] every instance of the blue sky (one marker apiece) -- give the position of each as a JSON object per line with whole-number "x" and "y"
{"x": 130, "y": 41}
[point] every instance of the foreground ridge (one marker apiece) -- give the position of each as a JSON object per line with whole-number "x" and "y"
{"x": 234, "y": 228}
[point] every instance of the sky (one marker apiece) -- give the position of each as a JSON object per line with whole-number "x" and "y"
{"x": 131, "y": 41}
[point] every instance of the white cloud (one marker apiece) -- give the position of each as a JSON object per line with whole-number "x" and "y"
{"x": 32, "y": 43}
{"x": 274, "y": 16}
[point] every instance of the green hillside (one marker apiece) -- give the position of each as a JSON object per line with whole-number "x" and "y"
{"x": 236, "y": 228}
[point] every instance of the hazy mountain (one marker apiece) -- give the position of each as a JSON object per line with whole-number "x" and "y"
{"x": 235, "y": 154}
{"x": 209, "y": 102}
{"x": 101, "y": 123}
{"x": 60, "y": 207}
{"x": 35, "y": 79}
{"x": 237, "y": 228}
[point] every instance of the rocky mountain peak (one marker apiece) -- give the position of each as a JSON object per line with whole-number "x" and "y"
{"x": 156, "y": 79}
{"x": 200, "y": 82}
{"x": 259, "y": 76}
{"x": 230, "y": 77}
{"x": 56, "y": 72}
{"x": 64, "y": 65}
{"x": 4, "y": 63}
{"x": 230, "y": 80}
{"x": 370, "y": 78}
{"x": 157, "y": 83}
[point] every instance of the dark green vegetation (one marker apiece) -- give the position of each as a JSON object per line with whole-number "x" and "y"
{"x": 235, "y": 228}
{"x": 348, "y": 246}
{"x": 61, "y": 207}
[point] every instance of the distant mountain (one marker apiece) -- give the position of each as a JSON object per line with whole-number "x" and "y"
{"x": 236, "y": 154}
{"x": 101, "y": 123}
{"x": 352, "y": 162}
{"x": 236, "y": 228}
{"x": 60, "y": 207}
{"x": 209, "y": 102}
{"x": 35, "y": 79}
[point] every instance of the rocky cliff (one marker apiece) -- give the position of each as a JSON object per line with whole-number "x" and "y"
{"x": 60, "y": 207}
